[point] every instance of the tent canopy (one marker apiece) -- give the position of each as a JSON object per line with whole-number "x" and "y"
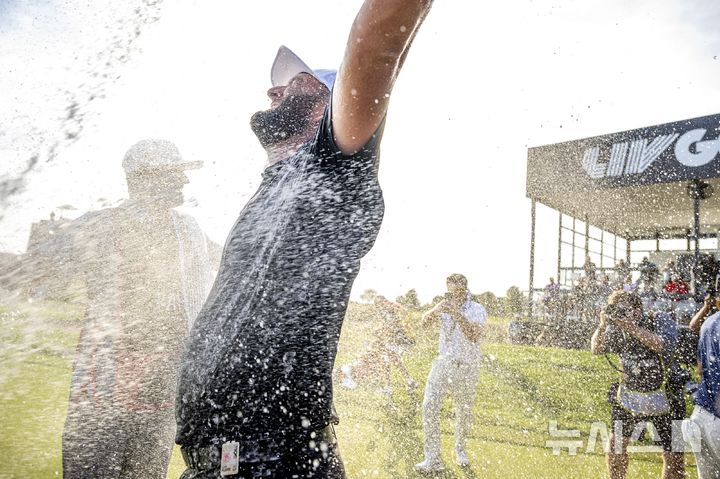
{"x": 633, "y": 183}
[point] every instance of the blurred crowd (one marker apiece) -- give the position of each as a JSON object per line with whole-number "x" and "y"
{"x": 668, "y": 290}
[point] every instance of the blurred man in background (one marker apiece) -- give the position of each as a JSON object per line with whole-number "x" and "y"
{"x": 389, "y": 339}
{"x": 649, "y": 272}
{"x": 146, "y": 269}
{"x": 456, "y": 370}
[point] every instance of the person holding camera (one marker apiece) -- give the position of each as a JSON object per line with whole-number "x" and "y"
{"x": 706, "y": 414}
{"x": 456, "y": 370}
{"x": 650, "y": 390}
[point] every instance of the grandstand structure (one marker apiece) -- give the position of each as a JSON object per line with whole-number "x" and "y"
{"x": 643, "y": 192}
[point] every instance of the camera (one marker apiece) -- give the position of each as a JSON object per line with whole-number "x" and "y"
{"x": 612, "y": 311}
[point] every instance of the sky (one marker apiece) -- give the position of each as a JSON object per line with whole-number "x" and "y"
{"x": 482, "y": 83}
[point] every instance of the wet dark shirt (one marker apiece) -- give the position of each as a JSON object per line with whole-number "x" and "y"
{"x": 260, "y": 355}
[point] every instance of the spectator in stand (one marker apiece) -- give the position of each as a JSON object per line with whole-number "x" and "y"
{"x": 579, "y": 295}
{"x": 552, "y": 300}
{"x": 552, "y": 288}
{"x": 648, "y": 296}
{"x": 676, "y": 286}
{"x": 605, "y": 288}
{"x": 551, "y": 297}
{"x": 629, "y": 285}
{"x": 590, "y": 269}
{"x": 648, "y": 272}
{"x": 669, "y": 271}
{"x": 622, "y": 270}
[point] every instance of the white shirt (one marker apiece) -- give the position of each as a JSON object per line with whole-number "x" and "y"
{"x": 454, "y": 345}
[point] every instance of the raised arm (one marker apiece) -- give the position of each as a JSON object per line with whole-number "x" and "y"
{"x": 473, "y": 327}
{"x": 597, "y": 341}
{"x": 379, "y": 40}
{"x": 434, "y": 314}
{"x": 653, "y": 341}
{"x": 699, "y": 318}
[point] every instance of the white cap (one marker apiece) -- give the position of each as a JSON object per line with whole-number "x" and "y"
{"x": 155, "y": 154}
{"x": 287, "y": 65}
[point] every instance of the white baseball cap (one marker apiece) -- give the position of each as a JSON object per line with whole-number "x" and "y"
{"x": 156, "y": 154}
{"x": 287, "y": 65}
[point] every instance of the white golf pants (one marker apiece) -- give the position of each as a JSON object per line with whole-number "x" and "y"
{"x": 708, "y": 458}
{"x": 460, "y": 381}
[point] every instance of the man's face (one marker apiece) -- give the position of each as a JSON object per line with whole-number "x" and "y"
{"x": 292, "y": 110}
{"x": 456, "y": 291}
{"x": 163, "y": 186}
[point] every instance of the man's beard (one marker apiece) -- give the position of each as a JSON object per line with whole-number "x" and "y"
{"x": 288, "y": 119}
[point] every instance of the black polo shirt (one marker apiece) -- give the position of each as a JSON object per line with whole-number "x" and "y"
{"x": 259, "y": 358}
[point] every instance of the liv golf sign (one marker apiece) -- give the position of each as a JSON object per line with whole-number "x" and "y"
{"x": 683, "y": 150}
{"x": 636, "y": 156}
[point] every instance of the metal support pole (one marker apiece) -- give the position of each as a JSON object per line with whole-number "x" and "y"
{"x": 696, "y": 227}
{"x": 697, "y": 190}
{"x": 614, "y": 251}
{"x": 572, "y": 263}
{"x": 532, "y": 260}
{"x": 559, "y": 257}
{"x": 587, "y": 236}
{"x": 696, "y": 238}
{"x": 628, "y": 248}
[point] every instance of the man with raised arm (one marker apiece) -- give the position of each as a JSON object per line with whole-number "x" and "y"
{"x": 706, "y": 414}
{"x": 255, "y": 391}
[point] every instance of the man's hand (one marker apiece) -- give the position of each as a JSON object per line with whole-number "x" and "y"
{"x": 434, "y": 314}
{"x": 472, "y": 331}
{"x": 453, "y": 307}
{"x": 708, "y": 301}
{"x": 445, "y": 306}
{"x": 697, "y": 321}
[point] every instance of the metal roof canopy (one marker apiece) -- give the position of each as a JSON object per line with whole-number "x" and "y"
{"x": 633, "y": 183}
{"x": 647, "y": 212}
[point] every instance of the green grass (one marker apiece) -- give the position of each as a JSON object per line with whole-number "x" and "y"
{"x": 521, "y": 390}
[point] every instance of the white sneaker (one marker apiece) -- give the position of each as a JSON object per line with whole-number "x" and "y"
{"x": 461, "y": 459}
{"x": 347, "y": 380}
{"x": 429, "y": 466}
{"x": 348, "y": 383}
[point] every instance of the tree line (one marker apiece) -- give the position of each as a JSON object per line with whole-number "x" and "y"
{"x": 509, "y": 305}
